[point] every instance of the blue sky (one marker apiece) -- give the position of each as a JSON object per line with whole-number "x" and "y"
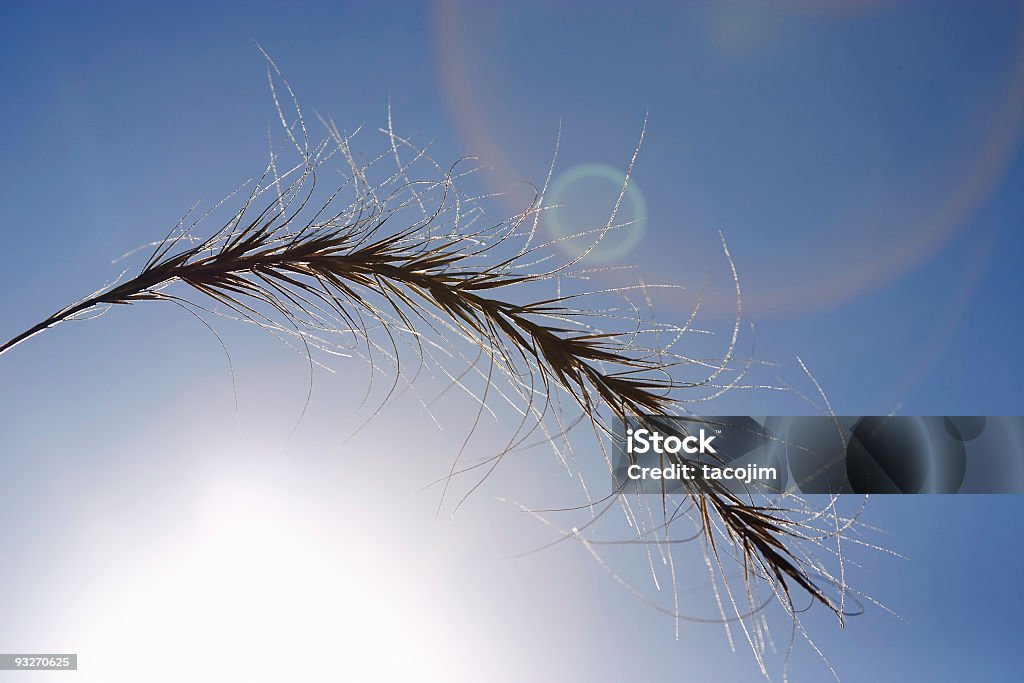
{"x": 862, "y": 160}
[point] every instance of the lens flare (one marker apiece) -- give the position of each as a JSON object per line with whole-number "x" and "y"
{"x": 579, "y": 203}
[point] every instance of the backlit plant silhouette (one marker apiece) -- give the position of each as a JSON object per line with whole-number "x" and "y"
{"x": 414, "y": 276}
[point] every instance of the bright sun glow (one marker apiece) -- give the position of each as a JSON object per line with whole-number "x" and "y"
{"x": 257, "y": 586}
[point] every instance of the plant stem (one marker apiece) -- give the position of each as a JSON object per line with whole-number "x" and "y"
{"x": 48, "y": 323}
{"x": 121, "y": 294}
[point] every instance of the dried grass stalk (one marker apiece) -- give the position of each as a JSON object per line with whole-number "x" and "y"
{"x": 417, "y": 263}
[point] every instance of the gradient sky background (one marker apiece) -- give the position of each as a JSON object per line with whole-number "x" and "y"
{"x": 862, "y": 159}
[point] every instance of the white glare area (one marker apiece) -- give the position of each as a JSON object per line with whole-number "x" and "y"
{"x": 268, "y": 578}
